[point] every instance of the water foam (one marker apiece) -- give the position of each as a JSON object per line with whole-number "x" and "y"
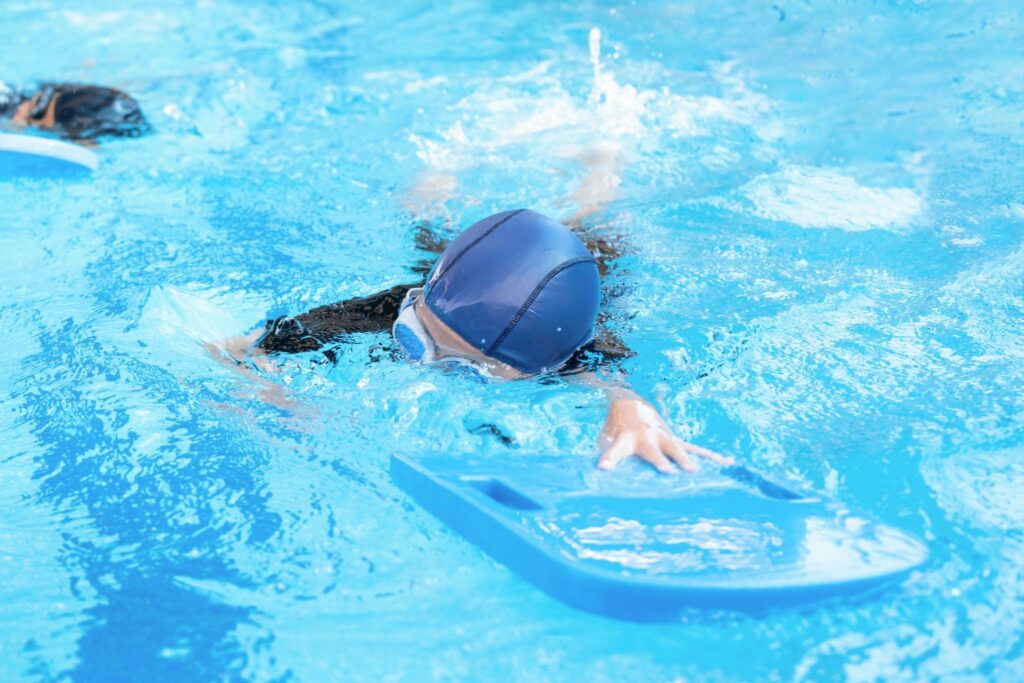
{"x": 520, "y": 108}
{"x": 826, "y": 198}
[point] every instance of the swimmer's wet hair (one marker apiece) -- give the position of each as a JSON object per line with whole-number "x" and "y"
{"x": 87, "y": 112}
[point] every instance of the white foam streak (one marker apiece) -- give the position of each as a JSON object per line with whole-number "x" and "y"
{"x": 825, "y": 198}
{"x": 520, "y": 109}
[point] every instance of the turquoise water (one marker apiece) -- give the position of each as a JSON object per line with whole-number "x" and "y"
{"x": 822, "y": 208}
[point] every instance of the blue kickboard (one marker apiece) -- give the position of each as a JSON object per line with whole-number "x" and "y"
{"x": 638, "y": 545}
{"x": 29, "y": 155}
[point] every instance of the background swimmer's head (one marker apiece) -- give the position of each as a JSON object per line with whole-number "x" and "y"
{"x": 520, "y": 288}
{"x": 90, "y": 112}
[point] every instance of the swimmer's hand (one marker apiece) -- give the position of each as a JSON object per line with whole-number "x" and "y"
{"x": 633, "y": 427}
{"x": 237, "y": 352}
{"x": 241, "y": 350}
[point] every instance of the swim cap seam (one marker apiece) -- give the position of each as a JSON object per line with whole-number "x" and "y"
{"x": 455, "y": 259}
{"x": 493, "y": 348}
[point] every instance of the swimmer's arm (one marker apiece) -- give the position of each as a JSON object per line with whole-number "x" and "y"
{"x": 241, "y": 349}
{"x": 236, "y": 351}
{"x": 602, "y": 164}
{"x": 634, "y": 427}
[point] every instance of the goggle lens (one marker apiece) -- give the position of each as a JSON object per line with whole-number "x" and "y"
{"x": 409, "y": 341}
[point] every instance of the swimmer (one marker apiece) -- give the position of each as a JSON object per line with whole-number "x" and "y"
{"x": 514, "y": 297}
{"x": 76, "y": 112}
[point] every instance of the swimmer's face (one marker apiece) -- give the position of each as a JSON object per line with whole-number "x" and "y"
{"x": 450, "y": 344}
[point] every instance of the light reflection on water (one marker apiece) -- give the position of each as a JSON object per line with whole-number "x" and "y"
{"x": 798, "y": 542}
{"x": 731, "y": 545}
{"x": 165, "y": 523}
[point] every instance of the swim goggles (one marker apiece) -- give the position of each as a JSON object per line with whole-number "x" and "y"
{"x": 416, "y": 343}
{"x": 41, "y": 102}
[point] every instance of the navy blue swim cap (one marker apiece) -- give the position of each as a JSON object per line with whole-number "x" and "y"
{"x": 520, "y": 287}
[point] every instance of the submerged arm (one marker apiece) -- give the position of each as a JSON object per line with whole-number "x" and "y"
{"x": 599, "y": 186}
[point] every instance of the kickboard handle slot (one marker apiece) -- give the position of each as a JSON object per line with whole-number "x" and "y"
{"x": 766, "y": 487}
{"x": 502, "y": 493}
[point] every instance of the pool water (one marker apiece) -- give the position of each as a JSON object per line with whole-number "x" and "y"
{"x": 822, "y": 212}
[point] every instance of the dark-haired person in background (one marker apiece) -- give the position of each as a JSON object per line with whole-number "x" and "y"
{"x": 75, "y": 112}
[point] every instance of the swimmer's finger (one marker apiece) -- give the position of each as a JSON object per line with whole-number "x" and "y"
{"x": 672, "y": 449}
{"x": 705, "y": 453}
{"x": 264, "y": 363}
{"x": 607, "y": 438}
{"x": 620, "y": 449}
{"x": 653, "y": 455}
